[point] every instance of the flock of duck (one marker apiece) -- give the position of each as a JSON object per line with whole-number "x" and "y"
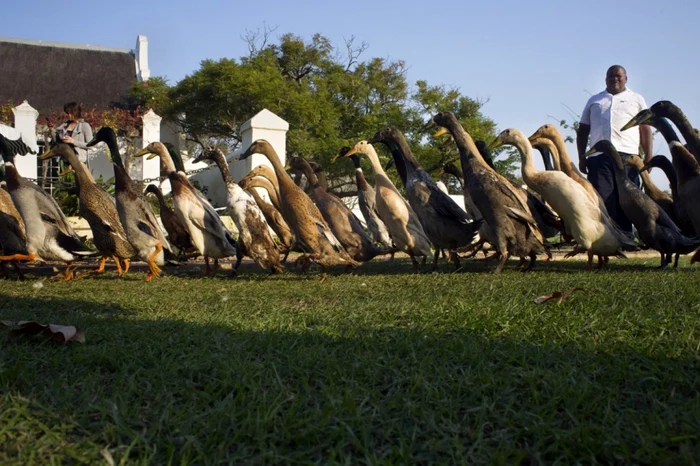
{"x": 318, "y": 225}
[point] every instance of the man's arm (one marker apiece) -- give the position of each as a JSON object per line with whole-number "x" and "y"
{"x": 582, "y": 134}
{"x": 647, "y": 141}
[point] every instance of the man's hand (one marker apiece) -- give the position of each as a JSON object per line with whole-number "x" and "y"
{"x": 583, "y": 166}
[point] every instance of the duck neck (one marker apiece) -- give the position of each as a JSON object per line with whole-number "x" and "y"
{"x": 679, "y": 119}
{"x": 12, "y": 176}
{"x": 282, "y": 178}
{"x": 267, "y": 185}
{"x": 374, "y": 161}
{"x": 82, "y": 173}
{"x": 167, "y": 167}
{"x": 322, "y": 180}
{"x": 161, "y": 198}
{"x": 565, "y": 163}
{"x": 309, "y": 173}
{"x": 220, "y": 162}
{"x": 666, "y": 166}
{"x": 359, "y": 176}
{"x": 114, "y": 151}
{"x": 684, "y": 163}
{"x": 664, "y": 127}
{"x": 649, "y": 187}
{"x": 527, "y": 165}
{"x": 465, "y": 144}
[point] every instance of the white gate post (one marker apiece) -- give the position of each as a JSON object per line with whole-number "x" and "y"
{"x": 150, "y": 169}
{"x": 25, "y": 123}
{"x": 264, "y": 125}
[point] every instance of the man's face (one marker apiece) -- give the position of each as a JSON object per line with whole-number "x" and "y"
{"x": 615, "y": 80}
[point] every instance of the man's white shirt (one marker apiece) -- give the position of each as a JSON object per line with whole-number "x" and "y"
{"x": 607, "y": 113}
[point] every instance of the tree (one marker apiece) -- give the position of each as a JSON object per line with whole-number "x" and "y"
{"x": 330, "y": 96}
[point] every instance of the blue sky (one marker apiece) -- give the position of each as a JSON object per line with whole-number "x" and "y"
{"x": 527, "y": 59}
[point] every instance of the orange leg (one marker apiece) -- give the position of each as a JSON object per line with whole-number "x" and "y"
{"x": 126, "y": 265}
{"x": 118, "y": 264}
{"x": 154, "y": 270}
{"x": 101, "y": 267}
{"x": 68, "y": 274}
{"x": 18, "y": 257}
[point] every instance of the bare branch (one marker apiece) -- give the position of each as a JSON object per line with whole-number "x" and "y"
{"x": 353, "y": 53}
{"x": 257, "y": 40}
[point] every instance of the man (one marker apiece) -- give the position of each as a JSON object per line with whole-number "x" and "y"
{"x": 602, "y": 118}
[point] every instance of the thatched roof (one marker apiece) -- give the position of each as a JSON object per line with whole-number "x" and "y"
{"x": 50, "y": 74}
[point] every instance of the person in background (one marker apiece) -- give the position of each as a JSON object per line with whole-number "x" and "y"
{"x": 75, "y": 131}
{"x": 603, "y": 116}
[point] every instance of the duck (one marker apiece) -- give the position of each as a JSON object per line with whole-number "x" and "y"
{"x": 272, "y": 214}
{"x": 49, "y": 236}
{"x": 254, "y": 239}
{"x": 446, "y": 224}
{"x": 208, "y": 233}
{"x": 653, "y": 225}
{"x": 367, "y": 201}
{"x": 98, "y": 207}
{"x": 178, "y": 235}
{"x": 505, "y": 209}
{"x": 13, "y": 239}
{"x": 311, "y": 232}
{"x": 666, "y": 109}
{"x": 593, "y": 231}
{"x": 402, "y": 222}
{"x": 342, "y": 221}
{"x": 135, "y": 213}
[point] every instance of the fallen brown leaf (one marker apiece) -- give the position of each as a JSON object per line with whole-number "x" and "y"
{"x": 60, "y": 333}
{"x": 558, "y": 295}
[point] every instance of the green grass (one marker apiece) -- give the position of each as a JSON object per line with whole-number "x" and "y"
{"x": 382, "y": 366}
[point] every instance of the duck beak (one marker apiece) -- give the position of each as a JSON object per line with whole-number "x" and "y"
{"x": 439, "y": 132}
{"x": 93, "y": 141}
{"x": 495, "y": 144}
{"x": 347, "y": 154}
{"x": 590, "y": 152}
{"x": 639, "y": 119}
{"x": 49, "y": 154}
{"x": 428, "y": 126}
{"x": 142, "y": 152}
{"x": 248, "y": 152}
{"x": 66, "y": 171}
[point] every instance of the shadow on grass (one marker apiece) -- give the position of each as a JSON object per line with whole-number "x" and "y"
{"x": 166, "y": 390}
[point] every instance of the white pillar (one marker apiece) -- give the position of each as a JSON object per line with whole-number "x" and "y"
{"x": 149, "y": 169}
{"x": 141, "y": 58}
{"x": 25, "y": 123}
{"x": 264, "y": 125}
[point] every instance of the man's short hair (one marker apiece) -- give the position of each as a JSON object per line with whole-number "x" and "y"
{"x": 74, "y": 109}
{"x": 615, "y": 67}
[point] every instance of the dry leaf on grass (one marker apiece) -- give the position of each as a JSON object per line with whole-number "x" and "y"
{"x": 558, "y": 295}
{"x": 60, "y": 333}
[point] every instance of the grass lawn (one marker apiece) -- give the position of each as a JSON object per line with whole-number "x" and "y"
{"x": 382, "y": 366}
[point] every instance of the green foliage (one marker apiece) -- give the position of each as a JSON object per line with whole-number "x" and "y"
{"x": 329, "y": 96}
{"x": 6, "y": 115}
{"x": 150, "y": 94}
